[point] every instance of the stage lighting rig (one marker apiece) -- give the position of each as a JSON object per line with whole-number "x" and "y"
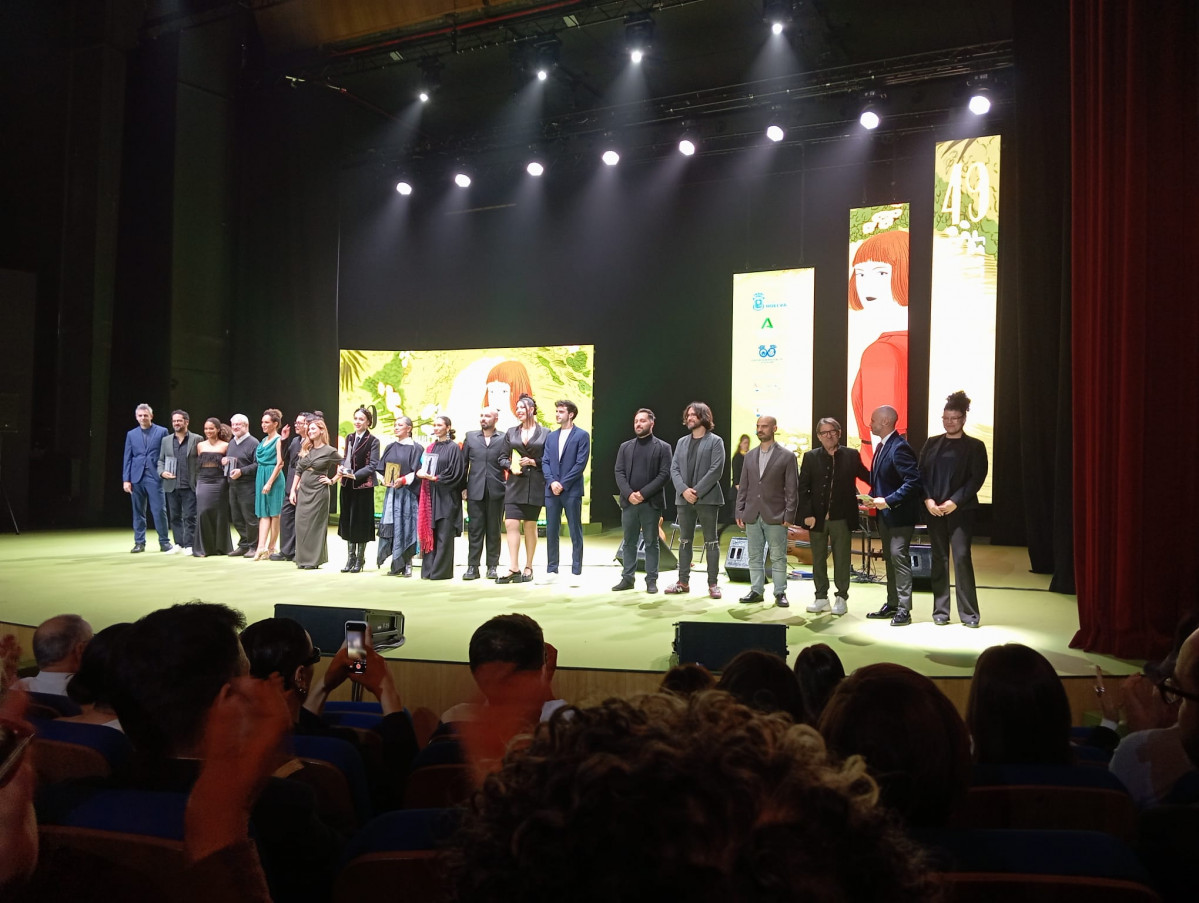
{"x": 871, "y": 115}
{"x": 778, "y": 14}
{"x": 430, "y": 79}
{"x": 545, "y": 56}
{"x": 638, "y": 35}
{"x": 980, "y": 94}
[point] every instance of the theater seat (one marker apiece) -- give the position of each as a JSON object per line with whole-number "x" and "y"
{"x": 150, "y": 864}
{"x": 398, "y": 849}
{"x": 67, "y": 750}
{"x": 439, "y": 786}
{"x": 344, "y": 787}
{"x": 995, "y": 887}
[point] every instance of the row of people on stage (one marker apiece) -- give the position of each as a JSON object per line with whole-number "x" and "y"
{"x": 507, "y": 478}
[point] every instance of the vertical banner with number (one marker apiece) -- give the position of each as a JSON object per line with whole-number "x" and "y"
{"x": 877, "y": 371}
{"x": 772, "y": 355}
{"x": 965, "y": 256}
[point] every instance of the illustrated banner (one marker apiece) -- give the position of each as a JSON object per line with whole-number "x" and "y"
{"x": 772, "y": 355}
{"x": 965, "y": 257}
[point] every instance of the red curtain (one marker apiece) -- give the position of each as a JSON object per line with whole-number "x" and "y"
{"x": 1135, "y": 309}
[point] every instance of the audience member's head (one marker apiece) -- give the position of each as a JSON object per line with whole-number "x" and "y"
{"x": 1186, "y": 678}
{"x": 695, "y": 798}
{"x": 168, "y": 669}
{"x": 684, "y": 680}
{"x": 505, "y": 648}
{"x": 1018, "y": 713}
{"x": 282, "y": 646}
{"x": 58, "y": 643}
{"x": 91, "y": 684}
{"x": 1187, "y": 624}
{"x": 818, "y": 670}
{"x": 762, "y": 681}
{"x": 911, "y": 736}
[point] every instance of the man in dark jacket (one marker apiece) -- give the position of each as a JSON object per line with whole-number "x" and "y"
{"x": 642, "y": 471}
{"x": 896, "y": 494}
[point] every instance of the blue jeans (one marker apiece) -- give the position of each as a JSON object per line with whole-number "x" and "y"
{"x": 554, "y": 506}
{"x": 147, "y": 493}
{"x": 762, "y": 534}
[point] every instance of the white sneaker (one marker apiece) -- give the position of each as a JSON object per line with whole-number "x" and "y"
{"x": 183, "y": 550}
{"x": 840, "y": 605}
{"x": 547, "y": 579}
{"x": 818, "y": 605}
{"x": 179, "y": 550}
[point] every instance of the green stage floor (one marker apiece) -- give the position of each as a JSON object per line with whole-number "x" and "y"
{"x": 92, "y": 573}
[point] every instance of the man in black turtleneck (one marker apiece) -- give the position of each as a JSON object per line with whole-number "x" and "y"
{"x": 642, "y": 472}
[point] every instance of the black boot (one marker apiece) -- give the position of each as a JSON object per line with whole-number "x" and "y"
{"x": 351, "y": 558}
{"x": 359, "y": 558}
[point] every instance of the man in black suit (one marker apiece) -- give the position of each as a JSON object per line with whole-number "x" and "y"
{"x": 179, "y": 479}
{"x": 484, "y": 494}
{"x": 828, "y": 507}
{"x": 244, "y": 463}
{"x": 896, "y": 493}
{"x": 642, "y": 472}
{"x": 953, "y": 467}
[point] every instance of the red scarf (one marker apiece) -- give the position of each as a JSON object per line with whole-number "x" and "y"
{"x": 424, "y": 512}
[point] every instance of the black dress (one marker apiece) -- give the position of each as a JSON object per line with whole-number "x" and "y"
{"x": 212, "y": 507}
{"x": 443, "y": 499}
{"x": 356, "y": 522}
{"x": 524, "y": 490}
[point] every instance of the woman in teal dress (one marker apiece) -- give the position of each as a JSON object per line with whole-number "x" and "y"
{"x": 268, "y": 499}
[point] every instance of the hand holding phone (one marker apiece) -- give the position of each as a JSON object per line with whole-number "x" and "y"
{"x": 356, "y": 646}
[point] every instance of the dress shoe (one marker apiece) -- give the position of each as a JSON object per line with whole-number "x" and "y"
{"x": 491, "y": 574}
{"x": 651, "y": 587}
{"x": 510, "y": 577}
{"x": 239, "y": 552}
{"x": 471, "y": 574}
{"x": 901, "y": 619}
{"x": 407, "y": 570}
{"x": 137, "y": 547}
{"x": 623, "y": 585}
{"x": 818, "y": 605}
{"x": 279, "y": 556}
{"x": 677, "y": 589}
{"x": 165, "y": 547}
{"x": 970, "y": 623}
{"x": 887, "y": 611}
{"x": 751, "y": 597}
{"x": 714, "y": 592}
{"x": 781, "y": 601}
{"x": 306, "y": 567}
{"x": 840, "y": 605}
{"x": 940, "y": 620}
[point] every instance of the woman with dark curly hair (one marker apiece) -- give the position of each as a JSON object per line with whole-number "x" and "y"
{"x": 212, "y": 492}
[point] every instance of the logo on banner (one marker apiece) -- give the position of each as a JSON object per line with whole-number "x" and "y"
{"x": 759, "y": 300}
{"x": 767, "y": 350}
{"x": 766, "y": 324}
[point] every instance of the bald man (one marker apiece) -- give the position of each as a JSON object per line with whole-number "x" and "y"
{"x": 767, "y": 497}
{"x": 896, "y": 493}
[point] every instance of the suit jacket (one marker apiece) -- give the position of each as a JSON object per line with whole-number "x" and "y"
{"x": 826, "y": 485}
{"x": 895, "y": 476}
{"x": 528, "y": 486}
{"x": 654, "y": 490}
{"x": 569, "y": 470}
{"x": 773, "y": 495}
{"x": 485, "y": 476}
{"x": 364, "y": 459}
{"x": 140, "y": 458}
{"x": 244, "y": 460}
{"x": 711, "y": 467}
{"x": 166, "y": 449}
{"x": 969, "y": 472}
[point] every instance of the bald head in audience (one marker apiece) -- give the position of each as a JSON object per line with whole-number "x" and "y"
{"x": 58, "y": 645}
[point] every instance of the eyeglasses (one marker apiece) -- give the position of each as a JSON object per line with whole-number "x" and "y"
{"x": 1172, "y": 693}
{"x": 828, "y": 433}
{"x": 314, "y": 658}
{"x": 954, "y": 417}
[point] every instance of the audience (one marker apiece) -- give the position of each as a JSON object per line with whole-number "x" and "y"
{"x": 58, "y": 646}
{"x": 762, "y": 681}
{"x": 818, "y": 671}
{"x": 1017, "y": 712}
{"x": 910, "y": 735}
{"x": 91, "y": 685}
{"x": 686, "y": 680}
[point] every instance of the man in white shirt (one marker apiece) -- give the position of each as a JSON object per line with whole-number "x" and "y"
{"x": 58, "y": 646}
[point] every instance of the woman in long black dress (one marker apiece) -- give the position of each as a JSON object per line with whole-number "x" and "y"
{"x": 212, "y": 492}
{"x": 439, "y": 512}
{"x": 524, "y": 491}
{"x": 356, "y": 525}
{"x": 315, "y": 469}
{"x": 397, "y": 529}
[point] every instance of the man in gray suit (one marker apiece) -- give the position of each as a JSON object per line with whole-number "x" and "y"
{"x": 484, "y": 494}
{"x": 178, "y": 469}
{"x": 695, "y": 470}
{"x": 766, "y": 504}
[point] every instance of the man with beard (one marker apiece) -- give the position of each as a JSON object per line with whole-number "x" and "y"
{"x": 484, "y": 494}
{"x": 642, "y": 472}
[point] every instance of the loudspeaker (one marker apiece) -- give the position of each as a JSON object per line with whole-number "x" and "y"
{"x": 327, "y": 626}
{"x": 666, "y": 558}
{"x": 922, "y": 561}
{"x": 715, "y": 645}
{"x": 736, "y": 562}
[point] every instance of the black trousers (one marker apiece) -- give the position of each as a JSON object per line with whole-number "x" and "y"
{"x": 181, "y": 512}
{"x": 640, "y": 521}
{"x": 486, "y": 517}
{"x": 952, "y": 534}
{"x": 287, "y": 529}
{"x": 439, "y": 563}
{"x": 897, "y": 543}
{"x": 241, "y": 511}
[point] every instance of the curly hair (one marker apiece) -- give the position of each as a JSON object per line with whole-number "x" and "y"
{"x": 958, "y": 401}
{"x": 698, "y": 798}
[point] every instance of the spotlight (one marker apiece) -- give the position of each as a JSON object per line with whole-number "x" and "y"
{"x": 775, "y": 133}
{"x": 430, "y": 79}
{"x": 687, "y": 147}
{"x": 546, "y": 53}
{"x": 542, "y": 75}
{"x": 980, "y": 103}
{"x": 776, "y": 28}
{"x": 638, "y": 35}
{"x": 869, "y": 117}
{"x": 610, "y": 158}
{"x": 462, "y": 180}
{"x": 534, "y": 168}
{"x": 404, "y": 188}
{"x": 778, "y": 13}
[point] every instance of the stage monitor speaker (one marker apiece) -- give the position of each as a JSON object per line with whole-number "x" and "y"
{"x": 715, "y": 645}
{"x": 922, "y": 566}
{"x": 666, "y": 559}
{"x": 327, "y": 626}
{"x": 736, "y": 561}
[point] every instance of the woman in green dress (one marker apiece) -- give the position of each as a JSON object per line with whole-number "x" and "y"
{"x": 315, "y": 466}
{"x": 268, "y": 499}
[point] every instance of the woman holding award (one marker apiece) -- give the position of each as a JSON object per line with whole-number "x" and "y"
{"x": 212, "y": 492}
{"x": 316, "y": 467}
{"x": 357, "y": 474}
{"x": 439, "y": 515}
{"x": 397, "y": 528}
{"x": 524, "y": 492}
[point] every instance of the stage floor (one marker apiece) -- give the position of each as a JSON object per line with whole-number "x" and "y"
{"x": 92, "y": 573}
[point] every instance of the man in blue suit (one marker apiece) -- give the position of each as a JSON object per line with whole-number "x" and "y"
{"x": 566, "y": 452}
{"x": 139, "y": 471}
{"x": 897, "y": 496}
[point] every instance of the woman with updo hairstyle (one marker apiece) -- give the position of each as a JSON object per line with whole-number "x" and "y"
{"x": 315, "y": 468}
{"x": 524, "y": 492}
{"x": 212, "y": 492}
{"x": 356, "y": 523}
{"x": 268, "y": 495}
